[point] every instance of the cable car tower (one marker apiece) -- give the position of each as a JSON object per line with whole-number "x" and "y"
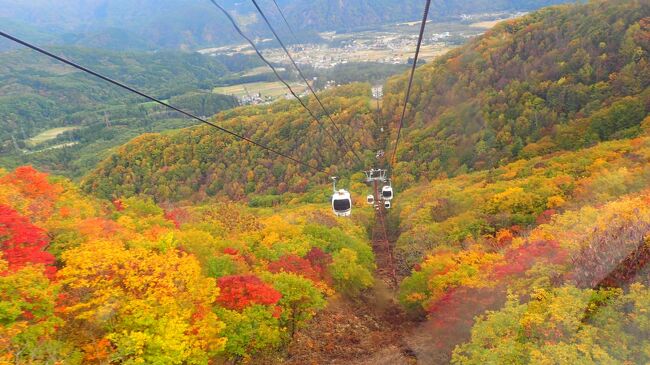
{"x": 383, "y": 195}
{"x": 381, "y": 244}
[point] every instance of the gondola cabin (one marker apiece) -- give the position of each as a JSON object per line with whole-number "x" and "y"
{"x": 370, "y": 199}
{"x": 387, "y": 192}
{"x": 387, "y": 204}
{"x": 342, "y": 203}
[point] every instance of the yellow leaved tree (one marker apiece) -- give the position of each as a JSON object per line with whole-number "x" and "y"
{"x": 154, "y": 308}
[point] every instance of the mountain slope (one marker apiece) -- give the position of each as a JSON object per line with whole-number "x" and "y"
{"x": 171, "y": 278}
{"x": 449, "y": 213}
{"x": 561, "y": 78}
{"x": 201, "y": 161}
{"x": 37, "y": 94}
{"x": 346, "y": 14}
{"x": 157, "y": 24}
{"x": 189, "y": 24}
{"x": 556, "y": 235}
{"x": 536, "y": 226}
{"x": 576, "y": 218}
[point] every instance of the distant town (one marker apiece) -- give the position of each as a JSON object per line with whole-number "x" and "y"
{"x": 390, "y": 44}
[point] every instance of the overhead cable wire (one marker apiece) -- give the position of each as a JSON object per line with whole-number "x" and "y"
{"x": 378, "y": 120}
{"x": 302, "y": 76}
{"x": 408, "y": 90}
{"x": 285, "y": 20}
{"x": 277, "y": 74}
{"x": 158, "y": 101}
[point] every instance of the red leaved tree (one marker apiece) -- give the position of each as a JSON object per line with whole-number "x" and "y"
{"x": 240, "y": 291}
{"x": 319, "y": 259}
{"x": 35, "y": 186}
{"x": 118, "y": 204}
{"x": 520, "y": 259}
{"x": 297, "y": 265}
{"x": 23, "y": 243}
{"x": 178, "y": 216}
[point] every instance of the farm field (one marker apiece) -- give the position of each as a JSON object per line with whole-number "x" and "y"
{"x": 48, "y": 135}
{"x": 270, "y": 89}
{"x": 485, "y": 25}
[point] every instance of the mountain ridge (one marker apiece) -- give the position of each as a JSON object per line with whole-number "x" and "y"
{"x": 519, "y": 231}
{"x": 347, "y": 15}
{"x": 163, "y": 24}
{"x": 441, "y": 142}
{"x": 547, "y": 81}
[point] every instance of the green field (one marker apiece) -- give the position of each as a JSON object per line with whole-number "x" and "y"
{"x": 48, "y": 135}
{"x": 257, "y": 71}
{"x": 272, "y": 89}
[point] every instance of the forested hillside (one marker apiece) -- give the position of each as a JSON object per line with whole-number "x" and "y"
{"x": 199, "y": 162}
{"x": 537, "y": 228}
{"x": 350, "y": 14}
{"x": 564, "y": 77}
{"x": 447, "y": 213}
{"x": 39, "y": 92}
{"x": 38, "y": 95}
{"x": 520, "y": 226}
{"x": 91, "y": 281}
{"x": 555, "y": 238}
{"x": 173, "y": 24}
{"x": 492, "y": 208}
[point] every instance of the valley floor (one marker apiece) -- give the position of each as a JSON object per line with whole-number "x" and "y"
{"x": 368, "y": 331}
{"x": 371, "y": 329}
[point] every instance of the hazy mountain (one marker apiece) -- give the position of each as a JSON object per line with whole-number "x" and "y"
{"x": 561, "y": 78}
{"x": 121, "y": 24}
{"x": 188, "y": 24}
{"x": 347, "y": 14}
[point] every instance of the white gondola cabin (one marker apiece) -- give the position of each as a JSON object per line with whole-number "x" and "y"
{"x": 387, "y": 204}
{"x": 342, "y": 203}
{"x": 387, "y": 192}
{"x": 370, "y": 199}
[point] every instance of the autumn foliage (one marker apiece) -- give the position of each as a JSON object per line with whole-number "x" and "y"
{"x": 137, "y": 282}
{"x": 182, "y": 165}
{"x": 34, "y": 187}
{"x": 240, "y": 291}
{"x": 519, "y": 260}
{"x": 297, "y": 265}
{"x": 22, "y": 243}
{"x": 523, "y": 184}
{"x": 561, "y": 78}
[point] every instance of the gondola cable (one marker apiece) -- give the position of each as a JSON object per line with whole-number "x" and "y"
{"x": 277, "y": 74}
{"x": 302, "y": 76}
{"x": 410, "y": 84}
{"x": 387, "y": 193}
{"x": 285, "y": 20}
{"x": 158, "y": 101}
